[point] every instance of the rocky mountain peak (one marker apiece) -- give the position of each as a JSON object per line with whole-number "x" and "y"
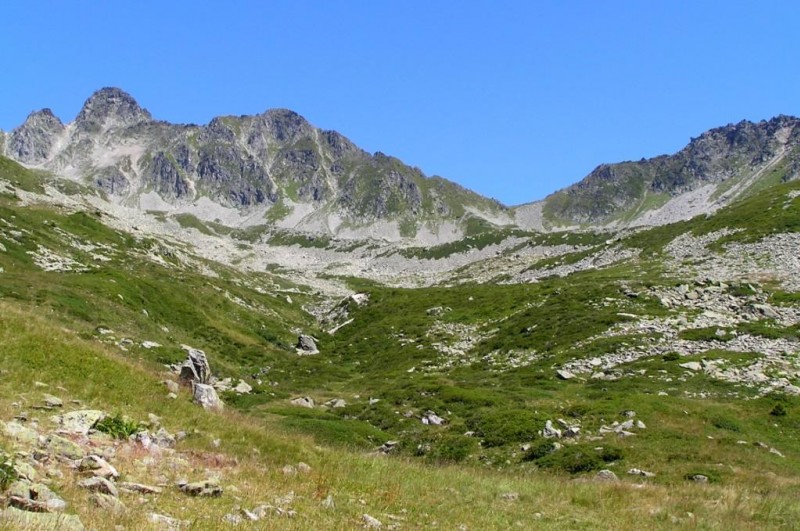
{"x": 31, "y": 142}
{"x": 110, "y": 107}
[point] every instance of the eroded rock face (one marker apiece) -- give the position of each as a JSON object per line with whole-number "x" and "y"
{"x": 33, "y": 141}
{"x": 236, "y": 161}
{"x": 110, "y": 107}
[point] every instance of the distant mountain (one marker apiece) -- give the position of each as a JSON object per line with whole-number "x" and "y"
{"x": 719, "y": 166}
{"x": 276, "y": 169}
{"x": 276, "y": 162}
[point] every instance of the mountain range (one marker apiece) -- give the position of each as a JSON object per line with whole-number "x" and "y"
{"x": 259, "y": 312}
{"x": 276, "y": 169}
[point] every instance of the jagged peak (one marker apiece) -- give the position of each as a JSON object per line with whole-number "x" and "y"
{"x": 108, "y": 103}
{"x": 42, "y": 118}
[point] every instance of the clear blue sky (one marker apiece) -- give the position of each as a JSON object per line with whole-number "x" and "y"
{"x": 513, "y": 99}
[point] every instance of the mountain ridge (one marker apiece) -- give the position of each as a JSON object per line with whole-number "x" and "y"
{"x": 275, "y": 168}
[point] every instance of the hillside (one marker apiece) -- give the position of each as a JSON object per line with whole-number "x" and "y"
{"x": 492, "y": 395}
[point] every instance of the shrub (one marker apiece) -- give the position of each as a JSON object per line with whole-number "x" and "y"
{"x": 503, "y": 426}
{"x": 671, "y": 356}
{"x": 725, "y": 423}
{"x": 572, "y": 459}
{"x": 117, "y": 426}
{"x": 539, "y": 449}
{"x": 7, "y": 473}
{"x": 778, "y": 411}
{"x": 453, "y": 448}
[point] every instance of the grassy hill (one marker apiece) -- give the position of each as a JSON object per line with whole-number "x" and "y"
{"x": 78, "y": 301}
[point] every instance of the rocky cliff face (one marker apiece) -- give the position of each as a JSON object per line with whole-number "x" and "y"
{"x": 244, "y": 162}
{"x": 726, "y": 159}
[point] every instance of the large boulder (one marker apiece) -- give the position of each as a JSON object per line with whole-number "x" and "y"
{"x": 206, "y": 396}
{"x": 196, "y": 367}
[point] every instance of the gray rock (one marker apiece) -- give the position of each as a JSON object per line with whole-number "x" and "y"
{"x": 24, "y": 470}
{"x": 639, "y": 472}
{"x": 371, "y": 522}
{"x": 206, "y": 396}
{"x": 107, "y": 502}
{"x": 306, "y": 345}
{"x": 207, "y": 488}
{"x": 99, "y": 484}
{"x": 13, "y": 518}
{"x": 388, "y": 447}
{"x": 303, "y": 402}
{"x": 139, "y": 488}
{"x": 20, "y": 433}
{"x": 63, "y": 448}
{"x": 172, "y": 386}
{"x": 550, "y": 432}
{"x": 52, "y": 401}
{"x": 565, "y": 374}
{"x": 243, "y": 388}
{"x": 432, "y": 418}
{"x": 78, "y": 421}
{"x": 336, "y": 403}
{"x": 167, "y": 522}
{"x": 692, "y": 366}
{"x": 606, "y": 475}
{"x": 196, "y": 368}
{"x": 98, "y": 466}
{"x": 34, "y": 497}
{"x": 699, "y": 478}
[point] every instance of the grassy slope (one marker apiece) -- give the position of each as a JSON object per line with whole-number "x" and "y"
{"x": 33, "y": 349}
{"x": 48, "y": 333}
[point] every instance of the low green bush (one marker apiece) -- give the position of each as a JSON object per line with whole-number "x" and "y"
{"x": 117, "y": 426}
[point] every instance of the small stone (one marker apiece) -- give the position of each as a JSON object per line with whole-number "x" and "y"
{"x": 243, "y": 388}
{"x": 692, "y": 366}
{"x": 303, "y": 402}
{"x": 565, "y": 374}
{"x": 52, "y": 401}
{"x": 98, "y": 466}
{"x": 172, "y": 386}
{"x": 207, "y": 488}
{"x": 107, "y": 502}
{"x": 303, "y": 468}
{"x": 643, "y": 473}
{"x": 168, "y": 521}
{"x": 371, "y": 522}
{"x": 98, "y": 484}
{"x": 699, "y": 478}
{"x": 510, "y": 496}
{"x": 606, "y": 475}
{"x": 139, "y": 488}
{"x": 328, "y": 502}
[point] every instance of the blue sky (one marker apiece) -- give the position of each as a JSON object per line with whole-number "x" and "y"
{"x": 512, "y": 99}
